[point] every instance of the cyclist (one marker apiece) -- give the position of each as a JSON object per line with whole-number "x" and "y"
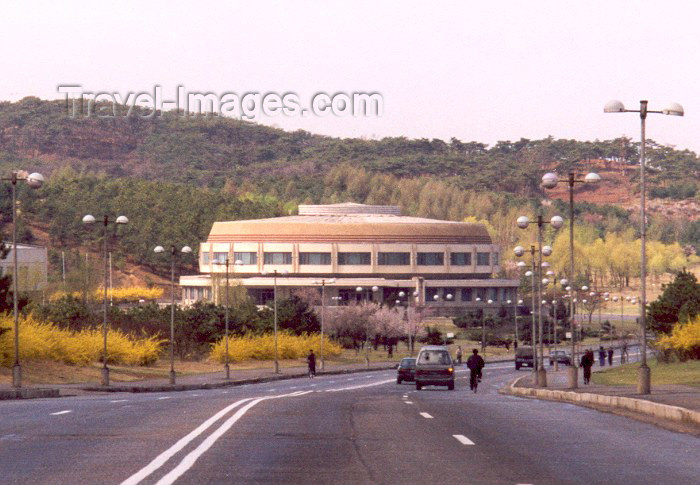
{"x": 311, "y": 360}
{"x": 475, "y": 364}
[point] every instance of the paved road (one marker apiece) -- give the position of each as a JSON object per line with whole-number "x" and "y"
{"x": 350, "y": 429}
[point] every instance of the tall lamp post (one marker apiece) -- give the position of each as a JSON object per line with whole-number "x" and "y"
{"x": 515, "y": 314}
{"x": 275, "y": 274}
{"x": 675, "y": 109}
{"x": 556, "y": 222}
{"x": 519, "y": 251}
{"x": 549, "y": 181}
{"x": 323, "y": 283}
{"x": 173, "y": 253}
{"x": 227, "y": 369}
{"x": 34, "y": 181}
{"x": 359, "y": 290}
{"x": 121, "y": 220}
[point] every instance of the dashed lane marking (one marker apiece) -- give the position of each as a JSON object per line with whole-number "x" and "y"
{"x": 163, "y": 397}
{"x": 62, "y": 412}
{"x": 119, "y": 400}
{"x": 408, "y": 402}
{"x": 426, "y": 415}
{"x": 463, "y": 439}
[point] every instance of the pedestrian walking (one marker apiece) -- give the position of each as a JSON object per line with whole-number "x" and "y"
{"x": 586, "y": 363}
{"x": 624, "y": 355}
{"x": 610, "y": 355}
{"x": 458, "y": 355}
{"x": 311, "y": 360}
{"x": 601, "y": 356}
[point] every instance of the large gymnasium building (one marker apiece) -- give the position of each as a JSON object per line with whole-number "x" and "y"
{"x": 359, "y": 252}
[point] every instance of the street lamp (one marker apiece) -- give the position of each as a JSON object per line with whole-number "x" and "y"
{"x": 515, "y": 314}
{"x": 89, "y": 220}
{"x": 34, "y": 181}
{"x": 674, "y": 109}
{"x": 227, "y": 369}
{"x": 323, "y": 283}
{"x": 549, "y": 181}
{"x": 523, "y": 222}
{"x": 359, "y": 291}
{"x": 275, "y": 273}
{"x": 173, "y": 252}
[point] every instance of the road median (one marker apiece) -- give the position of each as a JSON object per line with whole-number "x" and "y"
{"x": 663, "y": 412}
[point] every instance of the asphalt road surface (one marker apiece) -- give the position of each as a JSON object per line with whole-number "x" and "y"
{"x": 350, "y": 429}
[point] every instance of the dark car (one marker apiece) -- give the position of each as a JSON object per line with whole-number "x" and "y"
{"x": 524, "y": 357}
{"x": 561, "y": 356}
{"x": 406, "y": 371}
{"x": 434, "y": 367}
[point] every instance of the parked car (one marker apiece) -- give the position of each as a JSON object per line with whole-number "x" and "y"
{"x": 406, "y": 371}
{"x": 561, "y": 356}
{"x": 434, "y": 367}
{"x": 524, "y": 357}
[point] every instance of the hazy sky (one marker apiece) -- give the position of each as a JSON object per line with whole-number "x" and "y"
{"x": 479, "y": 71}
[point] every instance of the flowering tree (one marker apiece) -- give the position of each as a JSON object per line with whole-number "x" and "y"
{"x": 351, "y": 324}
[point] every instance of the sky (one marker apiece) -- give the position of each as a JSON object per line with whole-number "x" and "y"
{"x": 475, "y": 70}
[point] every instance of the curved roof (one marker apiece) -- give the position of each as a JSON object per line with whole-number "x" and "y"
{"x": 349, "y": 223}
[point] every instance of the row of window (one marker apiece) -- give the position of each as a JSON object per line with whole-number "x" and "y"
{"x": 263, "y": 295}
{"x": 469, "y": 294}
{"x": 197, "y": 293}
{"x": 355, "y": 258}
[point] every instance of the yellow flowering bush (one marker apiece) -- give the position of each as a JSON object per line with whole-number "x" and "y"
{"x": 46, "y": 341}
{"x": 128, "y": 294}
{"x": 684, "y": 341}
{"x": 262, "y": 347}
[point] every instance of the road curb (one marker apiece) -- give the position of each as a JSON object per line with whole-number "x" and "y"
{"x": 28, "y": 393}
{"x": 219, "y": 385}
{"x": 661, "y": 411}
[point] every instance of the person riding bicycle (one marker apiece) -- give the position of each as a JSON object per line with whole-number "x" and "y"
{"x": 311, "y": 360}
{"x": 475, "y": 364}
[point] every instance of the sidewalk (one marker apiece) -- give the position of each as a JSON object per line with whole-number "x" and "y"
{"x": 185, "y": 382}
{"x": 667, "y": 403}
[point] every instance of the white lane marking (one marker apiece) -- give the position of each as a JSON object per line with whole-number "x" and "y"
{"x": 313, "y": 385}
{"x": 426, "y": 415}
{"x": 360, "y": 386}
{"x": 62, "y": 412}
{"x": 167, "y": 454}
{"x": 119, "y": 400}
{"x": 368, "y": 377}
{"x": 463, "y": 439}
{"x": 351, "y": 379}
{"x": 292, "y": 387}
{"x": 189, "y": 460}
{"x": 194, "y": 395}
{"x": 271, "y": 390}
{"x": 408, "y": 402}
{"x": 163, "y": 397}
{"x": 331, "y": 382}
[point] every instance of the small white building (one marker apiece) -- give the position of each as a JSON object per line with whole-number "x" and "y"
{"x": 32, "y": 263}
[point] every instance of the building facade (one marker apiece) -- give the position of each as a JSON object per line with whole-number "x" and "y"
{"x": 32, "y": 266}
{"x": 369, "y": 252}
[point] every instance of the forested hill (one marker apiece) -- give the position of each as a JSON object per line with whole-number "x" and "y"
{"x": 173, "y": 177}
{"x": 213, "y": 152}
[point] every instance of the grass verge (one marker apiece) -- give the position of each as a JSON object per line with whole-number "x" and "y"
{"x": 678, "y": 373}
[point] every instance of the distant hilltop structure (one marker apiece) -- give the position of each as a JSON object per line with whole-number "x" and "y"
{"x": 369, "y": 252}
